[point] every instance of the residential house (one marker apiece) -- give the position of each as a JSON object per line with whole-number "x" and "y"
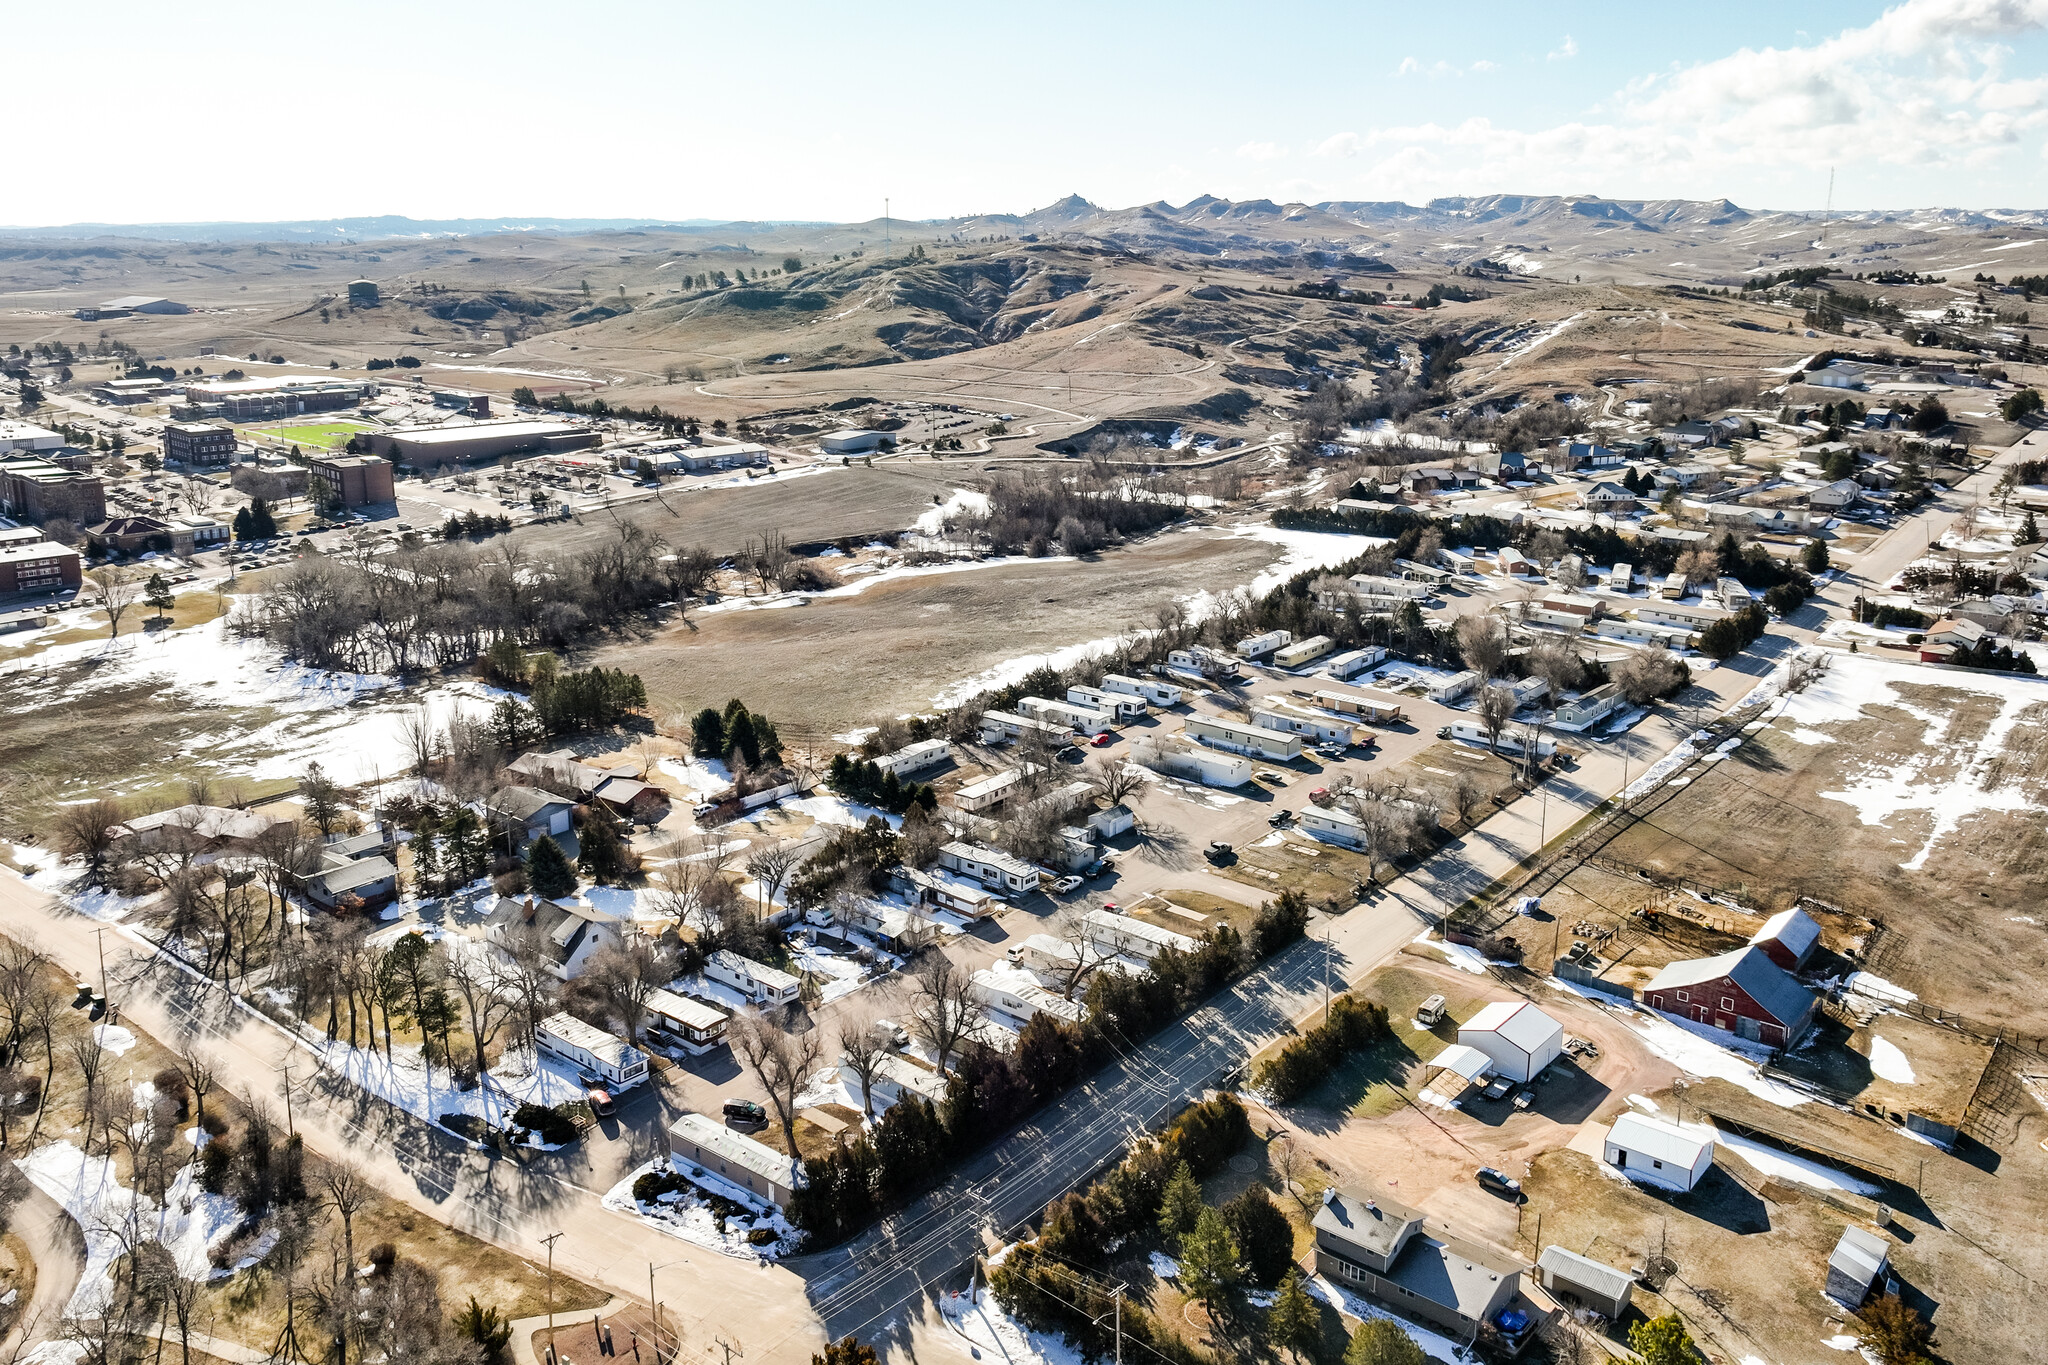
{"x": 1517, "y": 1037}
{"x": 357, "y": 868}
{"x": 566, "y": 933}
{"x": 895, "y": 1077}
{"x": 1743, "y": 992}
{"x": 1686, "y": 474}
{"x": 759, "y": 983}
{"x": 1658, "y": 1153}
{"x": 1374, "y": 1246}
{"x": 1609, "y": 498}
{"x": 676, "y": 1021}
{"x": 1585, "y": 455}
{"x": 643, "y": 803}
{"x": 560, "y": 772}
{"x": 197, "y": 830}
{"x": 1590, "y": 708}
{"x": 611, "y": 1062}
{"x": 1838, "y": 496}
{"x": 530, "y": 812}
{"x": 1018, "y": 995}
{"x": 1788, "y": 938}
{"x": 701, "y": 1145}
{"x": 993, "y": 868}
{"x": 1115, "y": 933}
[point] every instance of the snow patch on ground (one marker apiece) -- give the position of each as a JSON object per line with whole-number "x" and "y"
{"x": 1888, "y": 1063}
{"x": 1164, "y": 1266}
{"x": 113, "y": 1038}
{"x": 1352, "y": 1306}
{"x": 688, "y": 1215}
{"x": 111, "y": 1216}
{"x": 981, "y": 1320}
{"x": 1702, "y": 1057}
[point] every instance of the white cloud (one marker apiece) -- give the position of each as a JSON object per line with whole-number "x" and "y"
{"x": 1262, "y": 151}
{"x": 1408, "y": 67}
{"x": 1922, "y": 86}
{"x": 1484, "y": 65}
{"x": 1564, "y": 51}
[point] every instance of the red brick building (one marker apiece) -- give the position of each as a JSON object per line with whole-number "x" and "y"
{"x": 193, "y": 444}
{"x": 354, "y": 480}
{"x": 1743, "y": 992}
{"x": 38, "y": 566}
{"x": 35, "y": 489}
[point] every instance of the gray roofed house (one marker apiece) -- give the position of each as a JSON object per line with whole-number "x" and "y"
{"x": 559, "y": 770}
{"x": 532, "y": 811}
{"x": 1379, "y": 1248}
{"x": 1742, "y": 991}
{"x": 567, "y": 933}
{"x": 734, "y": 1158}
{"x": 203, "y": 829}
{"x": 632, "y": 798}
{"x": 1583, "y": 1281}
{"x": 372, "y": 880}
{"x": 1860, "y": 1260}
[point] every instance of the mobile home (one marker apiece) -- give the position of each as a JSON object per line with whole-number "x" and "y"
{"x": 1509, "y": 742}
{"x": 1372, "y": 585}
{"x": 679, "y": 1022}
{"x": 994, "y": 869}
{"x": 1621, "y": 578}
{"x": 1086, "y": 719}
{"x": 915, "y": 758}
{"x": 1177, "y": 758}
{"x": 1373, "y": 710}
{"x": 1452, "y": 688}
{"x": 591, "y": 1050}
{"x": 1304, "y": 651}
{"x": 997, "y": 725}
{"x": 758, "y": 982}
{"x": 1243, "y": 739}
{"x": 1332, "y": 825}
{"x": 1119, "y": 704}
{"x": 1204, "y": 662}
{"x": 1158, "y": 693}
{"x": 1256, "y": 646}
{"x": 1278, "y": 715}
{"x": 1348, "y": 665}
{"x": 1674, "y": 587}
{"x": 1122, "y": 934}
{"x": 1422, "y": 573}
{"x": 1690, "y": 616}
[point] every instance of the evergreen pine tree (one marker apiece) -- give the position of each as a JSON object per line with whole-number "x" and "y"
{"x": 1180, "y": 1206}
{"x": 1294, "y": 1322}
{"x": 547, "y": 869}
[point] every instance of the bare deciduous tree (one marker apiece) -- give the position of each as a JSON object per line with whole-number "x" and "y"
{"x": 944, "y": 1012}
{"x": 770, "y": 868}
{"x": 1483, "y": 643}
{"x": 87, "y": 831}
{"x": 862, "y": 1048}
{"x": 781, "y": 1060}
{"x": 1496, "y": 708}
{"x": 1115, "y": 778}
{"x": 117, "y": 594}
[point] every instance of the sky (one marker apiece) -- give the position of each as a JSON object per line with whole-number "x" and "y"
{"x": 128, "y": 113}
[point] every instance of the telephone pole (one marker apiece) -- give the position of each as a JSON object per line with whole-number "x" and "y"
{"x": 731, "y": 1349}
{"x": 550, "y": 1241}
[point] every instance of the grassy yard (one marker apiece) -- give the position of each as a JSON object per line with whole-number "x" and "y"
{"x": 1382, "y": 1078}
{"x": 326, "y": 435}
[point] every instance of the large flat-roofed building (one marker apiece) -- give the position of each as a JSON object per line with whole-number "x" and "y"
{"x": 354, "y": 480}
{"x": 128, "y": 305}
{"x": 251, "y": 400}
{"x": 38, "y": 566}
{"x": 18, "y": 437}
{"x": 195, "y": 444}
{"x": 479, "y": 441}
{"x": 39, "y": 490}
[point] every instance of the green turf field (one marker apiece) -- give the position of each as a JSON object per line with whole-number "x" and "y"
{"x": 326, "y": 435}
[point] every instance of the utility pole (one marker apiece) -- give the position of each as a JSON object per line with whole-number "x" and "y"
{"x": 550, "y": 1241}
{"x": 731, "y": 1349}
{"x": 100, "y": 936}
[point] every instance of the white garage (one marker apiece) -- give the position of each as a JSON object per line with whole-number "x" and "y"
{"x": 1518, "y": 1038}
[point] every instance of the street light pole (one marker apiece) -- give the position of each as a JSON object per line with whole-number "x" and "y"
{"x": 550, "y": 1241}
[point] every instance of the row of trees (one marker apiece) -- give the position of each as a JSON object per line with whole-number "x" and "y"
{"x": 915, "y": 1140}
{"x": 864, "y": 782}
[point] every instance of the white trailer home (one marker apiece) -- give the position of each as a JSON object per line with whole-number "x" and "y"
{"x": 1291, "y": 720}
{"x": 1204, "y": 662}
{"x": 993, "y": 868}
{"x": 1119, "y": 704}
{"x": 1452, "y": 688}
{"x": 758, "y": 982}
{"x": 1621, "y": 578}
{"x": 1469, "y": 733}
{"x": 1372, "y": 708}
{"x": 1528, "y": 691}
{"x": 1348, "y": 665}
{"x": 1086, "y": 719}
{"x": 1688, "y": 615}
{"x": 1018, "y": 994}
{"x": 1178, "y": 758}
{"x": 1258, "y": 646}
{"x": 1409, "y": 589}
{"x": 1157, "y": 693}
{"x": 1422, "y": 573}
{"x": 915, "y": 758}
{"x": 999, "y": 725}
{"x": 1332, "y": 825}
{"x": 989, "y": 791}
{"x": 1673, "y": 587}
{"x": 1304, "y": 651}
{"x": 1732, "y": 593}
{"x": 1243, "y": 739}
{"x": 1644, "y": 633}
{"x": 1115, "y": 933}
{"x": 616, "y": 1064}
{"x": 701, "y": 1142}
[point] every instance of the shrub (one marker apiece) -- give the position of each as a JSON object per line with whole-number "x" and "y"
{"x": 216, "y": 1160}
{"x": 761, "y": 1237}
{"x": 383, "y": 1256}
{"x": 652, "y": 1185}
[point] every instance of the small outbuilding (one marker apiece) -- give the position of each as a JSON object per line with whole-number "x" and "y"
{"x": 1519, "y": 1039}
{"x": 1658, "y": 1153}
{"x": 1788, "y": 938}
{"x": 1584, "y": 1282}
{"x": 1860, "y": 1262}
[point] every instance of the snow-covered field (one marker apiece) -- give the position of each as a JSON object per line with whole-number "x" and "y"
{"x": 1886, "y": 785}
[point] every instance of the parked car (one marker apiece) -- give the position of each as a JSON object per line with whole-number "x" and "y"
{"x": 746, "y": 1112}
{"x": 600, "y": 1101}
{"x": 1279, "y": 818}
{"x": 1219, "y": 852}
{"x": 1103, "y": 740}
{"x": 1268, "y": 775}
{"x": 1065, "y": 885}
{"x": 1499, "y": 1182}
{"x": 898, "y": 1036}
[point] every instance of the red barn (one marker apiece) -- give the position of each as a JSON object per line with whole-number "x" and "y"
{"x": 1790, "y": 936}
{"x": 1743, "y": 992}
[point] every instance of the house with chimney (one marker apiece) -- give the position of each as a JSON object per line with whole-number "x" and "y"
{"x": 567, "y": 933}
